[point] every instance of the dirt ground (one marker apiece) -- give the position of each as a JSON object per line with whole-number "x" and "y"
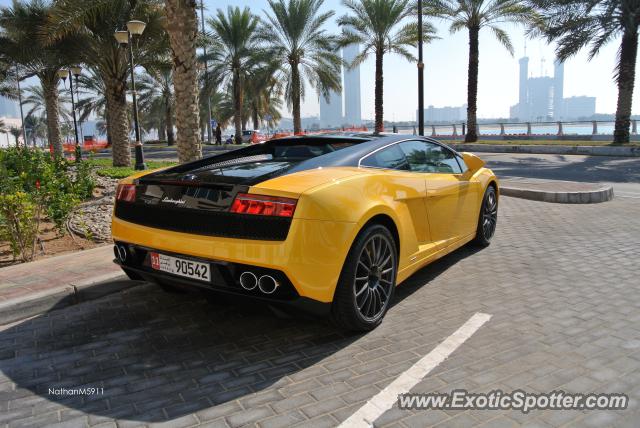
{"x": 52, "y": 244}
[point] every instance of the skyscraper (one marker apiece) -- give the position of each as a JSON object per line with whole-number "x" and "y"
{"x": 352, "y": 106}
{"x": 558, "y": 90}
{"x": 331, "y": 111}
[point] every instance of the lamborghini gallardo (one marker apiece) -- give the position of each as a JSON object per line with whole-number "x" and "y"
{"x": 329, "y": 223}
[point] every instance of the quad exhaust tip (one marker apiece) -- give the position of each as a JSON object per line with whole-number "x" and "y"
{"x": 268, "y": 284}
{"x": 248, "y": 280}
{"x": 121, "y": 252}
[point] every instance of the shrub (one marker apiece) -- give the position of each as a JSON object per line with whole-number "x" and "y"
{"x": 33, "y": 185}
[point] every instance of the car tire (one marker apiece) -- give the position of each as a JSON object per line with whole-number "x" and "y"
{"x": 488, "y": 218}
{"x": 359, "y": 304}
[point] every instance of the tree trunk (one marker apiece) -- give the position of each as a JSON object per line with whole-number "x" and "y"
{"x": 237, "y": 106}
{"x": 118, "y": 122}
{"x": 49, "y": 82}
{"x": 295, "y": 95}
{"x": 107, "y": 119}
{"x": 626, "y": 77}
{"x": 182, "y": 27}
{"x": 168, "y": 120}
{"x": 379, "y": 91}
{"x": 472, "y": 86}
{"x": 162, "y": 130}
{"x": 254, "y": 117}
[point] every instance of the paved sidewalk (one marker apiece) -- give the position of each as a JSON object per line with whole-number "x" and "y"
{"x": 55, "y": 273}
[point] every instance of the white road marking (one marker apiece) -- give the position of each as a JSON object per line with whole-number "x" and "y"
{"x": 384, "y": 400}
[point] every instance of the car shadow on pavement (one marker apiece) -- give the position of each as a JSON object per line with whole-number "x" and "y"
{"x": 153, "y": 356}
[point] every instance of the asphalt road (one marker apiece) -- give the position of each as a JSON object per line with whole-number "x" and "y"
{"x": 623, "y": 173}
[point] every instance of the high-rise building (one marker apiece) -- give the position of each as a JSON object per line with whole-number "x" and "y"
{"x": 331, "y": 110}
{"x": 542, "y": 98}
{"x": 558, "y": 90}
{"x": 352, "y": 101}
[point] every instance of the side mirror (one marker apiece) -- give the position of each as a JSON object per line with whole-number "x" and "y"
{"x": 473, "y": 162}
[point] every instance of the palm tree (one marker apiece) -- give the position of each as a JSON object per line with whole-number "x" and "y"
{"x": 473, "y": 15}
{"x": 20, "y": 40}
{"x": 182, "y": 27}
{"x": 36, "y": 98}
{"x": 234, "y": 53}
{"x": 36, "y": 127}
{"x": 381, "y": 27}
{"x": 94, "y": 22}
{"x": 16, "y": 132}
{"x": 264, "y": 93}
{"x": 295, "y": 34}
{"x": 157, "y": 97}
{"x": 575, "y": 24}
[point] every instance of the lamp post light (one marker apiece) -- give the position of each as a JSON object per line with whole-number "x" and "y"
{"x": 420, "y": 73}
{"x": 24, "y": 131}
{"x": 124, "y": 38}
{"x": 206, "y": 78}
{"x": 77, "y": 71}
{"x": 63, "y": 74}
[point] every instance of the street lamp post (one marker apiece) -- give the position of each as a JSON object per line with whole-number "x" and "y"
{"x": 24, "y": 132}
{"x": 63, "y": 74}
{"x": 124, "y": 37}
{"x": 76, "y": 71}
{"x": 206, "y": 77}
{"x": 420, "y": 74}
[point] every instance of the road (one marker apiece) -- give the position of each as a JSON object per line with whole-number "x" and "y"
{"x": 622, "y": 173}
{"x": 559, "y": 281}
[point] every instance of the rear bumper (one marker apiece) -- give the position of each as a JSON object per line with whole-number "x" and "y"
{"x": 284, "y": 299}
{"x": 311, "y": 258}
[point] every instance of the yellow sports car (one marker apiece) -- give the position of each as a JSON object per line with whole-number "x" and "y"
{"x": 327, "y": 223}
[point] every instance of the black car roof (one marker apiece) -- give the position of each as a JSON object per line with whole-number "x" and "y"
{"x": 348, "y": 156}
{"x": 361, "y": 145}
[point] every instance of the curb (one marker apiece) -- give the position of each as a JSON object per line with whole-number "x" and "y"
{"x": 549, "y": 149}
{"x": 603, "y": 194}
{"x": 60, "y": 297}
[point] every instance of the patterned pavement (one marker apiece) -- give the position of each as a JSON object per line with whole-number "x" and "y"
{"x": 560, "y": 281}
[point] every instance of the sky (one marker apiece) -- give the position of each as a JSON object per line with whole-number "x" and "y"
{"x": 446, "y": 71}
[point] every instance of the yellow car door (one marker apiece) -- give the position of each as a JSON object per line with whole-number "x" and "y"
{"x": 448, "y": 197}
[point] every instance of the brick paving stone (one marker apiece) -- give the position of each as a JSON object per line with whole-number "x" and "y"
{"x": 562, "y": 318}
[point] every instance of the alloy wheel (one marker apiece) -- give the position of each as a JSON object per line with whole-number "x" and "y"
{"x": 374, "y": 278}
{"x": 489, "y": 215}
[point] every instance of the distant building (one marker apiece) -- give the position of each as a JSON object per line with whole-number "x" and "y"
{"x": 579, "y": 107}
{"x": 331, "y": 110}
{"x": 444, "y": 114}
{"x": 352, "y": 100}
{"x": 6, "y": 139}
{"x": 542, "y": 98}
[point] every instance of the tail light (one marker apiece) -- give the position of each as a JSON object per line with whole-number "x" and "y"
{"x": 263, "y": 205}
{"x": 126, "y": 193}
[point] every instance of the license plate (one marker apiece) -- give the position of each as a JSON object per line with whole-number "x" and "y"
{"x": 182, "y": 267}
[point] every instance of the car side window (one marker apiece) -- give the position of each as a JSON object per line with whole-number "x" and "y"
{"x": 424, "y": 156}
{"x": 463, "y": 165}
{"x": 391, "y": 158}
